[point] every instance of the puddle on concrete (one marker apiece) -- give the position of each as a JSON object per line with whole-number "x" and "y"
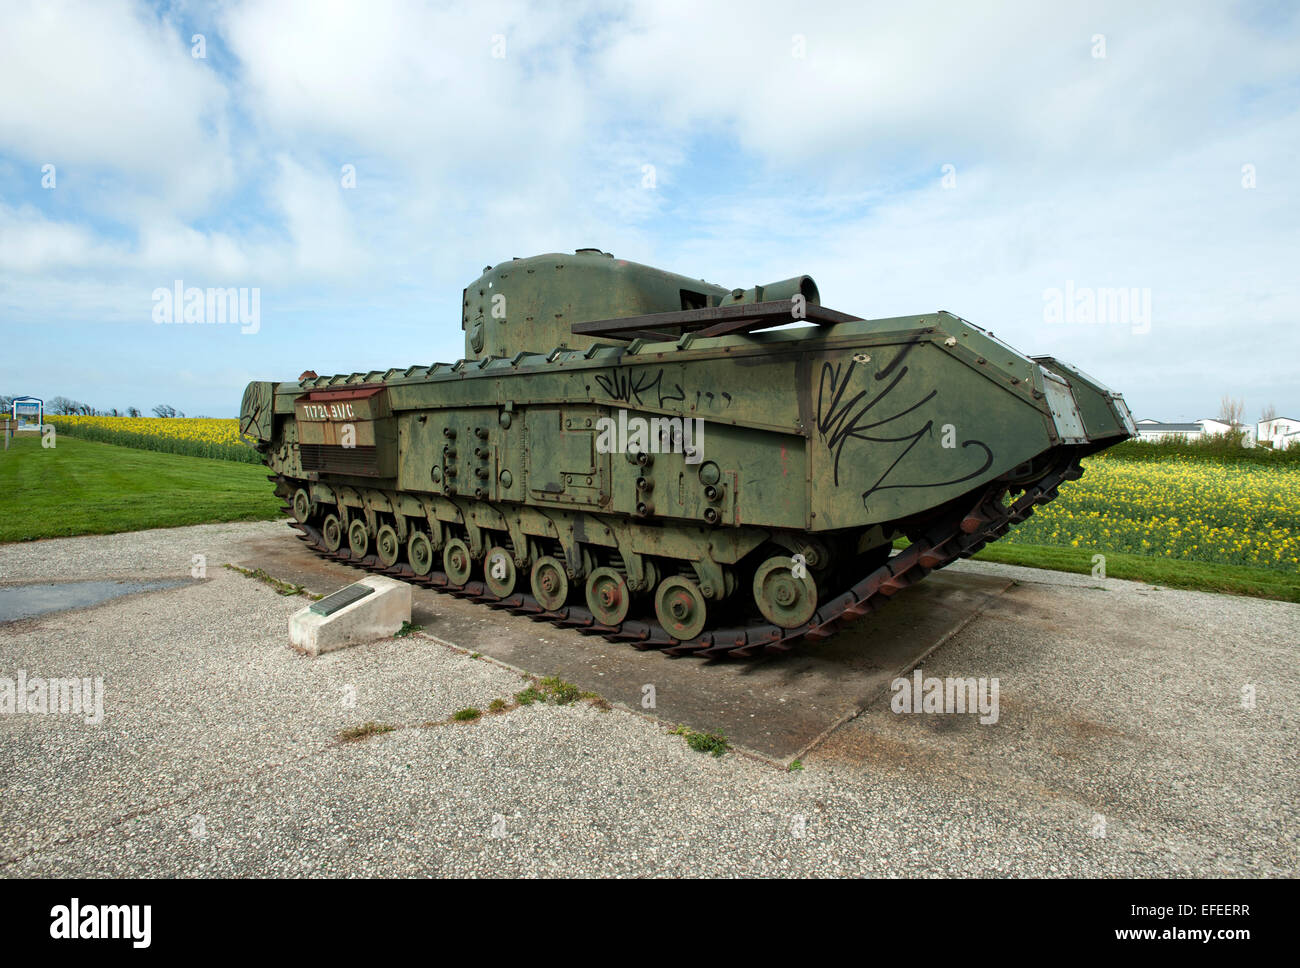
{"x": 27, "y": 601}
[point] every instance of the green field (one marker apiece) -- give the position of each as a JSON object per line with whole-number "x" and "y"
{"x": 1197, "y": 575}
{"x": 83, "y": 487}
{"x": 1181, "y": 522}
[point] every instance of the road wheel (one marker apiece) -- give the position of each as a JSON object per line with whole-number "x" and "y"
{"x": 608, "y": 596}
{"x": 331, "y": 532}
{"x": 550, "y": 583}
{"x": 358, "y": 538}
{"x": 680, "y": 608}
{"x": 301, "y": 506}
{"x": 387, "y": 545}
{"x": 784, "y": 600}
{"x": 456, "y": 561}
{"x": 419, "y": 552}
{"x": 499, "y": 570}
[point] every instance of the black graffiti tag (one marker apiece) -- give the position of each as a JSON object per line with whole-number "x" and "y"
{"x": 841, "y": 418}
{"x": 628, "y": 386}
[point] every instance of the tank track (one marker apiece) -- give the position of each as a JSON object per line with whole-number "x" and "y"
{"x": 959, "y": 533}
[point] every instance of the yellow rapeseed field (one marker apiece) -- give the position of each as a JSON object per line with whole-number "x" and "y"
{"x": 195, "y": 436}
{"x": 1179, "y": 508}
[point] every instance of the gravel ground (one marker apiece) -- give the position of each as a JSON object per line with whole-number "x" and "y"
{"x": 1121, "y": 714}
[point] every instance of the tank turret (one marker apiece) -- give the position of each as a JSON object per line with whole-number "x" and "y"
{"x": 530, "y": 305}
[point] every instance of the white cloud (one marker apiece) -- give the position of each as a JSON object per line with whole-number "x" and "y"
{"x": 415, "y": 83}
{"x": 103, "y": 85}
{"x": 1123, "y": 171}
{"x": 884, "y": 87}
{"x": 30, "y": 242}
{"x": 318, "y": 240}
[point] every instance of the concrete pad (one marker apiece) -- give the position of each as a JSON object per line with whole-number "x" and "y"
{"x": 220, "y": 752}
{"x": 377, "y": 615}
{"x": 777, "y": 707}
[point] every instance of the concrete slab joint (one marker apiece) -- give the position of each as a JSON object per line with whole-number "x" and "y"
{"x": 376, "y": 616}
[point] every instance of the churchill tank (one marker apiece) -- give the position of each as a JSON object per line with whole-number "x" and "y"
{"x": 673, "y": 464}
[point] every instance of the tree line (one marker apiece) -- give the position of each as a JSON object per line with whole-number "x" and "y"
{"x": 63, "y": 406}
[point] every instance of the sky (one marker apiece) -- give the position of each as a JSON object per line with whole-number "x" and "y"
{"x": 1006, "y": 162}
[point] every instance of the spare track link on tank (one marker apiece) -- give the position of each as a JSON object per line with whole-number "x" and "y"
{"x": 959, "y": 534}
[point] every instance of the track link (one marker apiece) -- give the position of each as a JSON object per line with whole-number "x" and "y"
{"x": 958, "y": 535}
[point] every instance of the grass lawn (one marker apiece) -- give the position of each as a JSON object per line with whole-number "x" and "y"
{"x": 1198, "y": 575}
{"x": 84, "y": 487}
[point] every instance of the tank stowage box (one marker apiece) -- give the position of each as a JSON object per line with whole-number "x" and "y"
{"x": 648, "y": 457}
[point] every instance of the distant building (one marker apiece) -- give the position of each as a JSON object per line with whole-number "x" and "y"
{"x": 1156, "y": 430}
{"x": 1213, "y": 426}
{"x": 1149, "y": 429}
{"x": 1280, "y": 432}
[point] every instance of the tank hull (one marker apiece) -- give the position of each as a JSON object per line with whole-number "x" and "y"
{"x": 707, "y": 494}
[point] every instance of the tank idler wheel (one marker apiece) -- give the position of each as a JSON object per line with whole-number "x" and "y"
{"x": 608, "y": 597}
{"x": 301, "y": 506}
{"x": 680, "y": 608}
{"x": 358, "y": 538}
{"x": 784, "y": 600}
{"x": 456, "y": 561}
{"x": 419, "y": 552}
{"x": 331, "y": 533}
{"x": 550, "y": 583}
{"x": 387, "y": 545}
{"x": 500, "y": 571}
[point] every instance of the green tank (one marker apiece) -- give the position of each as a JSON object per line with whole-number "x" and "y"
{"x": 667, "y": 462}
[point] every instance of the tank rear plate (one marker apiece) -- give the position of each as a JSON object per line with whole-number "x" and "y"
{"x": 345, "y": 431}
